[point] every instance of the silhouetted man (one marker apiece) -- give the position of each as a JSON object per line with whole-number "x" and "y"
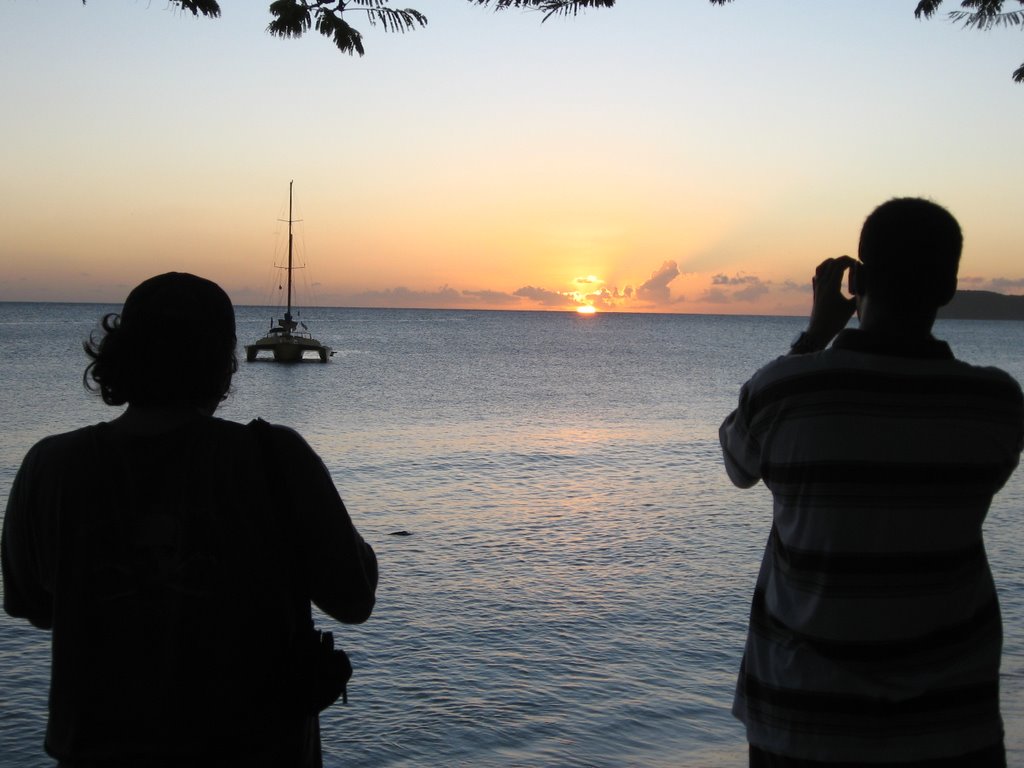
{"x": 874, "y": 634}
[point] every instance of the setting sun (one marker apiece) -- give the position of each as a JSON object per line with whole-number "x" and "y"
{"x": 586, "y": 309}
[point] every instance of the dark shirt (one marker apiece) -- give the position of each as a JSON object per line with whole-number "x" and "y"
{"x": 169, "y": 568}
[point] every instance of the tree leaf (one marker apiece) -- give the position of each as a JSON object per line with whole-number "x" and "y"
{"x": 927, "y": 8}
{"x": 292, "y": 19}
{"x": 396, "y": 20}
{"x": 208, "y": 8}
{"x": 345, "y": 37}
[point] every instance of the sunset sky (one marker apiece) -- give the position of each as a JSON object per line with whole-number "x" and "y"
{"x": 663, "y": 155}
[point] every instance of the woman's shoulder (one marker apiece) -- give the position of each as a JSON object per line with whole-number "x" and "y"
{"x": 74, "y": 441}
{"x": 55, "y": 453}
{"x": 277, "y": 432}
{"x": 277, "y": 438}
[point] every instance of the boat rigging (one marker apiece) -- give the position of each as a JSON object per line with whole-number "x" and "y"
{"x": 284, "y": 342}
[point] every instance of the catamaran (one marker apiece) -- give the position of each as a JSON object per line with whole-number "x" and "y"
{"x": 284, "y": 341}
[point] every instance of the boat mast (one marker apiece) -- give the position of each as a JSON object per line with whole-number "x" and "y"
{"x": 288, "y": 314}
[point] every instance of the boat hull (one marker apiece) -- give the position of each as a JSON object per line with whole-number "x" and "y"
{"x": 289, "y": 349}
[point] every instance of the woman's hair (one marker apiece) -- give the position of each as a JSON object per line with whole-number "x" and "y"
{"x": 172, "y": 344}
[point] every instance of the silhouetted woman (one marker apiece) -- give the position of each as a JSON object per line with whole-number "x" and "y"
{"x": 174, "y": 556}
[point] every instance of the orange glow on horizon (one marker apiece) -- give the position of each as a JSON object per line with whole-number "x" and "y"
{"x": 586, "y": 309}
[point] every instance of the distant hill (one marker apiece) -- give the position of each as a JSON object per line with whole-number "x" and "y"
{"x": 983, "y": 305}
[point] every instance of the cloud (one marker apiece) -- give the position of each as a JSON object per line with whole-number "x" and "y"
{"x": 609, "y": 298}
{"x": 403, "y": 297}
{"x": 492, "y": 297}
{"x": 1004, "y": 284}
{"x": 715, "y": 296}
{"x": 751, "y": 292}
{"x": 656, "y": 289}
{"x": 588, "y": 280}
{"x": 997, "y": 284}
{"x": 737, "y": 280}
{"x": 543, "y": 296}
{"x": 792, "y": 285}
{"x": 725, "y": 289}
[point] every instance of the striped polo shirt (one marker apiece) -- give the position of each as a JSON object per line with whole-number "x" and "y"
{"x": 874, "y": 628}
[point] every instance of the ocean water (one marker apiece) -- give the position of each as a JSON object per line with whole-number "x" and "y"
{"x": 575, "y": 587}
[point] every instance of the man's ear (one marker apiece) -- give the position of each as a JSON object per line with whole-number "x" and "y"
{"x": 946, "y": 291}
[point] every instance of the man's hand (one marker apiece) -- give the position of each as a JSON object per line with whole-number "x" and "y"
{"x": 831, "y": 310}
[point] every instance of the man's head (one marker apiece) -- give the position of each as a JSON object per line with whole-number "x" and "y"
{"x": 172, "y": 345}
{"x": 910, "y": 252}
